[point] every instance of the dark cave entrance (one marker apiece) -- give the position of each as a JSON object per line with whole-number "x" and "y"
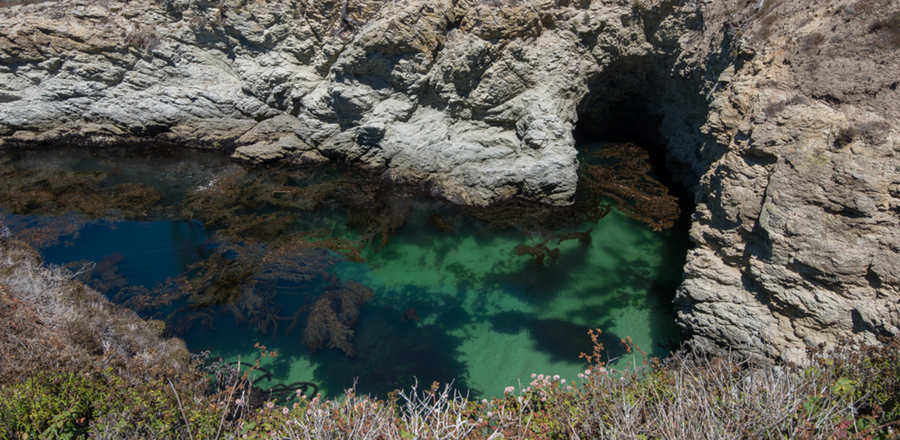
{"x": 632, "y": 122}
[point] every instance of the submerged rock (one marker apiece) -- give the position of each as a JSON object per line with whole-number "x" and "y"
{"x": 778, "y": 117}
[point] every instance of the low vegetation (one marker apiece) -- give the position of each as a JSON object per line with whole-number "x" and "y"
{"x": 75, "y": 366}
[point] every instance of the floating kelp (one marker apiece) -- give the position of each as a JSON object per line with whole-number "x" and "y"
{"x": 52, "y": 192}
{"x": 540, "y": 250}
{"x": 103, "y": 275}
{"x": 442, "y": 223}
{"x": 265, "y": 205}
{"x": 41, "y": 206}
{"x": 350, "y": 249}
{"x": 41, "y": 232}
{"x": 410, "y": 315}
{"x": 625, "y": 177}
{"x": 375, "y": 213}
{"x": 534, "y": 217}
{"x": 233, "y": 199}
{"x": 242, "y": 279}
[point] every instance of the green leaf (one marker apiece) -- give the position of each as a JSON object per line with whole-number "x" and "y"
{"x": 248, "y": 427}
{"x": 844, "y": 385}
{"x": 810, "y": 404}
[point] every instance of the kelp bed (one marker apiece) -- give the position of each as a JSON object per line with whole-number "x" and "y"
{"x": 262, "y": 244}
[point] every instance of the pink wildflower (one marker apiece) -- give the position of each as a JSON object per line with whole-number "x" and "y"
{"x": 284, "y": 411}
{"x": 270, "y": 405}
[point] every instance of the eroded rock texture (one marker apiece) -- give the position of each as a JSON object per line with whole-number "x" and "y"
{"x": 797, "y": 207}
{"x": 779, "y": 118}
{"x": 477, "y": 100}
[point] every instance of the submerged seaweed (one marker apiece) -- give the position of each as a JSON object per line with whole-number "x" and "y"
{"x": 625, "y": 177}
{"x": 334, "y": 314}
{"x": 540, "y": 250}
{"x": 41, "y": 232}
{"x": 243, "y": 279}
{"x": 267, "y": 205}
{"x": 50, "y": 192}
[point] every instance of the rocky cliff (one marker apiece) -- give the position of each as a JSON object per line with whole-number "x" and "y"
{"x": 796, "y": 223}
{"x": 778, "y": 117}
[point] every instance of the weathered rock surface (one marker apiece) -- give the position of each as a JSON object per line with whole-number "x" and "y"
{"x": 478, "y": 101}
{"x": 797, "y": 202}
{"x": 778, "y": 117}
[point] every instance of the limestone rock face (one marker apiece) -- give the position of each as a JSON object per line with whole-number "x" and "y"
{"x": 779, "y": 117}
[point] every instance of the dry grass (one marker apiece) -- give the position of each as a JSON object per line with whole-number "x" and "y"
{"x": 68, "y": 357}
{"x": 61, "y": 316}
{"x": 688, "y": 396}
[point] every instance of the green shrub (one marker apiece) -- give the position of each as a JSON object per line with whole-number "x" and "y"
{"x": 51, "y": 405}
{"x": 70, "y": 405}
{"x": 875, "y": 372}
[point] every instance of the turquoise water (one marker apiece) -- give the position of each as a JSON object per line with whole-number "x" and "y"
{"x": 454, "y": 306}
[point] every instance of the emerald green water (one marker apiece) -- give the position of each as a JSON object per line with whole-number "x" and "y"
{"x": 487, "y": 318}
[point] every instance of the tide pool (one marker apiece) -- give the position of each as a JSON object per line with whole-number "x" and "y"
{"x": 453, "y": 303}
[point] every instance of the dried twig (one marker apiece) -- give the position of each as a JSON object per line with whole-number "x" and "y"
{"x": 181, "y": 408}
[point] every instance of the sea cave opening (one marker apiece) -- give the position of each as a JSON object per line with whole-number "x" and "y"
{"x": 632, "y": 121}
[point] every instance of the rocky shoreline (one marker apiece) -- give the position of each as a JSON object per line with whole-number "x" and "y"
{"x": 777, "y": 117}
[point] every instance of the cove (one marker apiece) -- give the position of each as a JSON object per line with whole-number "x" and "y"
{"x": 451, "y": 298}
